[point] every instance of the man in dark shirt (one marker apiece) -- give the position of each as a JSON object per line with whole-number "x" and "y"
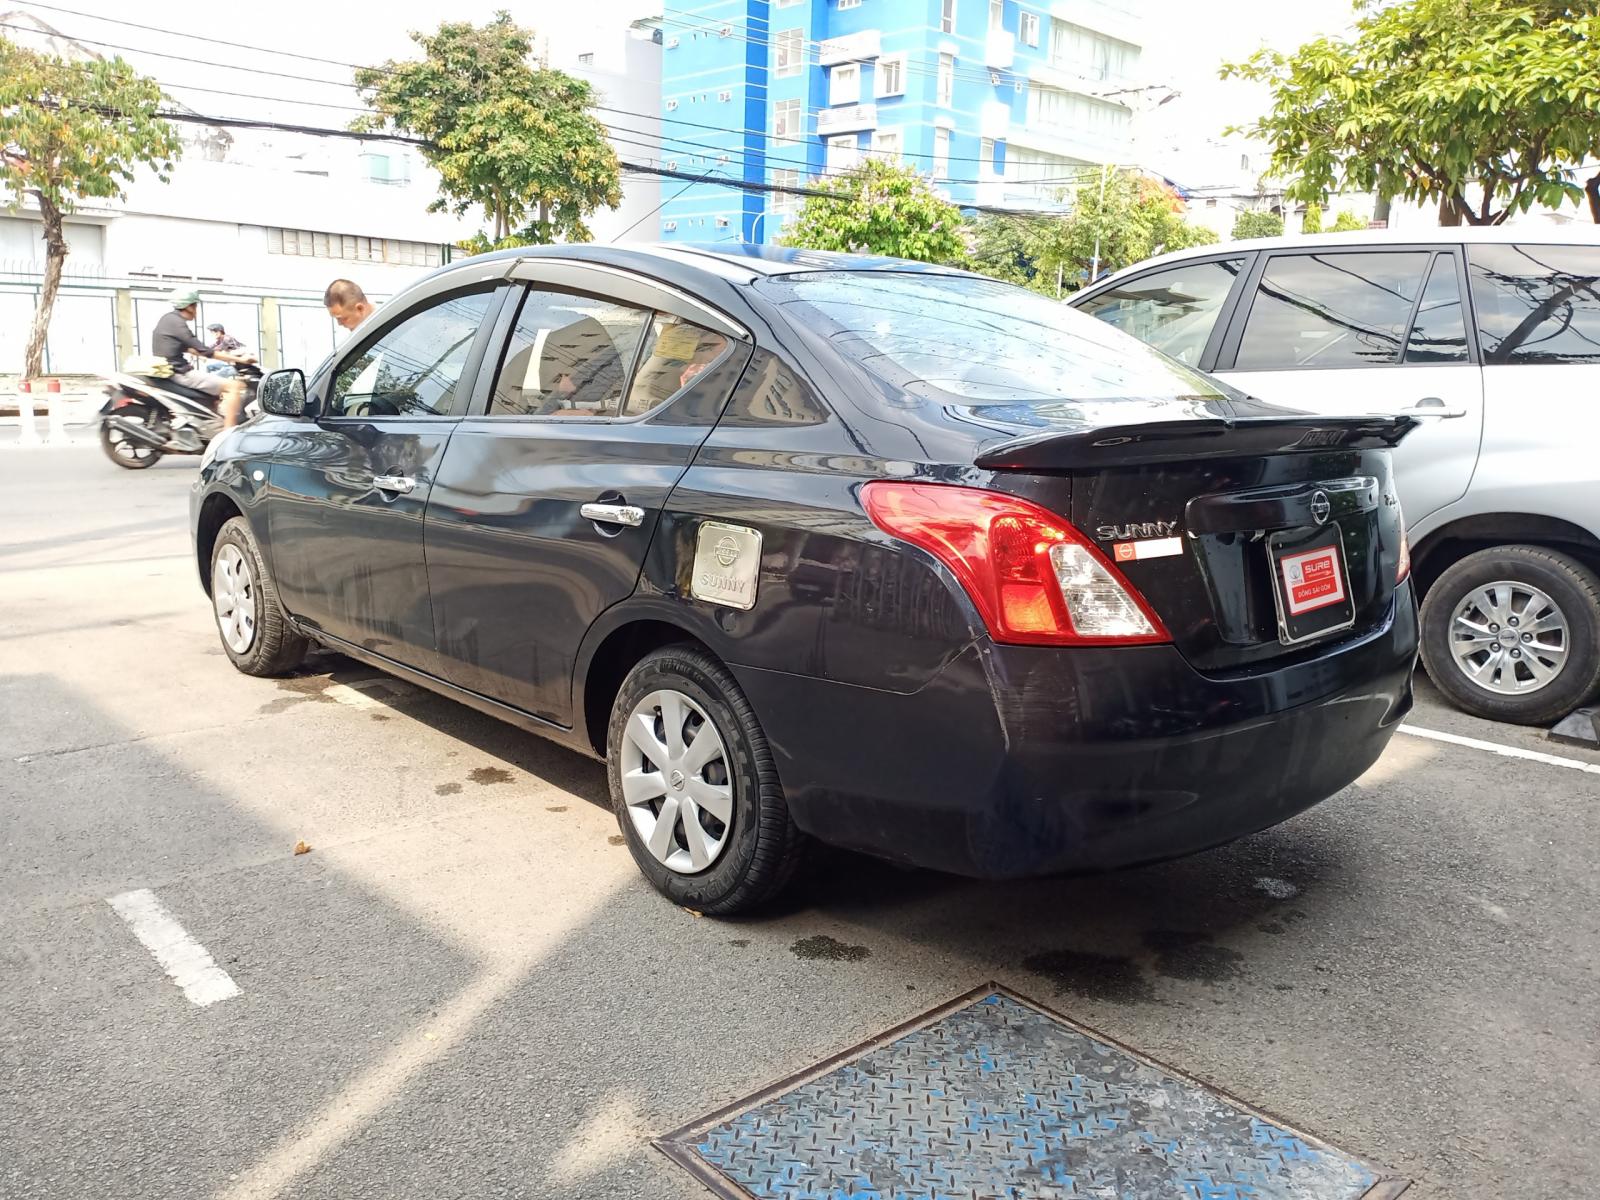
{"x": 173, "y": 340}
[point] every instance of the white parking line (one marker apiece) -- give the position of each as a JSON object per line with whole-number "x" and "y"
{"x": 1455, "y": 739}
{"x": 183, "y": 958}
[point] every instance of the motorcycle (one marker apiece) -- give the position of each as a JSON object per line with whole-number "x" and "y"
{"x": 145, "y": 417}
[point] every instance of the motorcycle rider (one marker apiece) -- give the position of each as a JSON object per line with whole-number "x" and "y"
{"x": 173, "y": 338}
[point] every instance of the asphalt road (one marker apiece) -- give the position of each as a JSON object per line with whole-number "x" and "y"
{"x": 464, "y": 989}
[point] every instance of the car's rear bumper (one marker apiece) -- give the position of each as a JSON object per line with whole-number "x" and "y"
{"x": 1020, "y": 760}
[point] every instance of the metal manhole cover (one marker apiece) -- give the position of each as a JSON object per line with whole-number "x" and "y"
{"x": 991, "y": 1097}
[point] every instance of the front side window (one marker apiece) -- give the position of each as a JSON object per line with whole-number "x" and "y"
{"x": 677, "y": 353}
{"x": 569, "y": 356}
{"x": 1537, "y": 304}
{"x": 414, "y": 367}
{"x": 1439, "y": 330}
{"x": 1331, "y": 310}
{"x": 981, "y": 341}
{"x": 789, "y": 54}
{"x": 1173, "y": 310}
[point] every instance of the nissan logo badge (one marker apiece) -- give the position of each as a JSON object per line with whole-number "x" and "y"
{"x": 1321, "y": 509}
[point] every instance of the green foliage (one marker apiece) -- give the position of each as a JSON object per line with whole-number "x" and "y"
{"x": 880, "y": 207}
{"x": 1249, "y": 224}
{"x": 516, "y": 139}
{"x": 1004, "y": 247}
{"x": 73, "y": 131}
{"x": 1311, "y": 220}
{"x": 1347, "y": 222}
{"x": 1431, "y": 96}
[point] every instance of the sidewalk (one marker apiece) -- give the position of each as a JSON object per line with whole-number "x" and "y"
{"x": 64, "y": 418}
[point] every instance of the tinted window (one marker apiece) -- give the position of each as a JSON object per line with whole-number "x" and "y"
{"x": 1439, "y": 330}
{"x": 1331, "y": 310}
{"x": 569, "y": 356}
{"x": 676, "y": 353}
{"x": 414, "y": 367}
{"x": 979, "y": 339}
{"x": 1537, "y": 304}
{"x": 1172, "y": 310}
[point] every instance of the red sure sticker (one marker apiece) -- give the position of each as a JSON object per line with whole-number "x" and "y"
{"x": 1312, "y": 580}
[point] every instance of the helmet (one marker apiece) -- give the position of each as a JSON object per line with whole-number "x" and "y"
{"x": 183, "y": 297}
{"x": 215, "y": 328}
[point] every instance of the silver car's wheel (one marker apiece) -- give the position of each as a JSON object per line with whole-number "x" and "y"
{"x": 233, "y": 591}
{"x": 676, "y": 782}
{"x": 1509, "y": 638}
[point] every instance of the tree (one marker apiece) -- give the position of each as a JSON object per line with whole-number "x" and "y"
{"x": 1004, "y": 246}
{"x": 1432, "y": 97}
{"x": 880, "y": 207}
{"x": 1252, "y": 224}
{"x": 73, "y": 131}
{"x": 1347, "y": 221}
{"x": 1311, "y": 219}
{"x": 516, "y": 139}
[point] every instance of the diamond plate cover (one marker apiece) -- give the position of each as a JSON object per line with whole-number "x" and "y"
{"x": 993, "y": 1098}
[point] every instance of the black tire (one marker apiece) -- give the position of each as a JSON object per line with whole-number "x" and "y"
{"x": 274, "y": 647}
{"x": 148, "y": 456}
{"x": 1570, "y": 585}
{"x": 762, "y": 847}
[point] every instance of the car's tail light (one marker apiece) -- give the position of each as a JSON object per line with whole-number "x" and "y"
{"x": 1033, "y": 577}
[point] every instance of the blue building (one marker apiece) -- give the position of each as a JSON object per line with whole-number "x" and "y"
{"x": 1000, "y": 102}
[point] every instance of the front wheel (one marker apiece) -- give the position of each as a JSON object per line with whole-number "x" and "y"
{"x": 127, "y": 451}
{"x": 1513, "y": 634}
{"x": 694, "y": 786}
{"x": 255, "y": 634}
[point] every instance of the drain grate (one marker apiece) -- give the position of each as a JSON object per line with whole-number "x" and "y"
{"x": 991, "y": 1097}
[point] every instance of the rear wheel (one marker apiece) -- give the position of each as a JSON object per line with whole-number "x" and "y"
{"x": 127, "y": 451}
{"x": 1513, "y": 634}
{"x": 255, "y": 634}
{"x": 694, "y": 786}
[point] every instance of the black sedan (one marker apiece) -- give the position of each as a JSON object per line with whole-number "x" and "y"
{"x": 809, "y": 546}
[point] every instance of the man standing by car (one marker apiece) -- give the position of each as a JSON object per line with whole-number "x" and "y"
{"x": 173, "y": 339}
{"x": 346, "y": 303}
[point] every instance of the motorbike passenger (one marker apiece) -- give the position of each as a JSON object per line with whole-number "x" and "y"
{"x": 173, "y": 339}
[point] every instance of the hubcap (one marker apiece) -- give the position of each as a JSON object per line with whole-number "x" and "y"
{"x": 124, "y": 446}
{"x": 675, "y": 781}
{"x": 1509, "y": 638}
{"x": 233, "y": 591}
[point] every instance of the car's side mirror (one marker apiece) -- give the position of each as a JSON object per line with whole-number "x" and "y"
{"x": 283, "y": 393}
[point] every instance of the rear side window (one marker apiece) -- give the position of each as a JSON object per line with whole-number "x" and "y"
{"x": 1333, "y": 309}
{"x": 1439, "y": 330}
{"x": 1537, "y": 304}
{"x": 1173, "y": 310}
{"x": 569, "y": 356}
{"x": 676, "y": 353}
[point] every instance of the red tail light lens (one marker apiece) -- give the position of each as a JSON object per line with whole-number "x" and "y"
{"x": 1034, "y": 578}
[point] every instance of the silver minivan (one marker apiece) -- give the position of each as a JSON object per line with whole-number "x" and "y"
{"x": 1492, "y": 337}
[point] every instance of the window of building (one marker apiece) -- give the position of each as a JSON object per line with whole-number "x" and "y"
{"x": 568, "y": 357}
{"x": 1040, "y": 174}
{"x": 887, "y": 143}
{"x": 413, "y": 368}
{"x": 1537, "y": 304}
{"x": 997, "y": 15}
{"x": 947, "y": 16}
{"x": 891, "y": 74}
{"x": 1331, "y": 310}
{"x": 789, "y": 3}
{"x": 306, "y": 243}
{"x": 1087, "y": 53}
{"x": 785, "y": 204}
{"x": 790, "y": 53}
{"x": 677, "y": 353}
{"x": 844, "y": 4}
{"x": 1071, "y": 113}
{"x": 843, "y": 152}
{"x": 1028, "y": 28}
{"x": 947, "y": 79}
{"x": 586, "y": 60}
{"x": 1439, "y": 330}
{"x": 1172, "y": 310}
{"x": 985, "y": 156}
{"x": 844, "y": 83}
{"x": 788, "y": 120}
{"x": 941, "y": 154}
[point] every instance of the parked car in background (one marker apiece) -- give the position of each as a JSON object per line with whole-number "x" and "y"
{"x": 1489, "y": 336}
{"x": 801, "y": 545}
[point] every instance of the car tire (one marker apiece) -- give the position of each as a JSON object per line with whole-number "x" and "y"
{"x": 255, "y": 634}
{"x": 1529, "y": 576}
{"x": 730, "y": 866}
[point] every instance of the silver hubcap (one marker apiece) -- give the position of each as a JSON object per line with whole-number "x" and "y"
{"x": 1509, "y": 638}
{"x": 675, "y": 782}
{"x": 233, "y": 591}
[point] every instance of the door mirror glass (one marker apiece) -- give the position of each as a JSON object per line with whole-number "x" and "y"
{"x": 283, "y": 393}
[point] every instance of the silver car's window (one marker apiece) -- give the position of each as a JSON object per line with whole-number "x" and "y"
{"x": 1537, "y": 304}
{"x": 413, "y": 368}
{"x": 1172, "y": 310}
{"x": 1439, "y": 330}
{"x": 980, "y": 340}
{"x": 1331, "y": 309}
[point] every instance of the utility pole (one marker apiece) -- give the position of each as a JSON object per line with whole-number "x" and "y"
{"x": 1099, "y": 220}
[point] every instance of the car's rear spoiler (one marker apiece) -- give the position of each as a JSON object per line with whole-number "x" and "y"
{"x": 1207, "y": 437}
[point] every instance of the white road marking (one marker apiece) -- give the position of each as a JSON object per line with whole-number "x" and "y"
{"x": 183, "y": 958}
{"x": 1455, "y": 739}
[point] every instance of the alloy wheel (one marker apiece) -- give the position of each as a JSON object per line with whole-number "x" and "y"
{"x": 233, "y": 592}
{"x": 1509, "y": 638}
{"x": 676, "y": 781}
{"x": 127, "y": 448}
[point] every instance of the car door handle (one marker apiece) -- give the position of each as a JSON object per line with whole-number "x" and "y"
{"x": 399, "y": 484}
{"x": 614, "y": 514}
{"x": 1432, "y": 408}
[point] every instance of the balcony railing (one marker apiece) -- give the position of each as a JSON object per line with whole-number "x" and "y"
{"x": 847, "y": 118}
{"x": 852, "y": 47}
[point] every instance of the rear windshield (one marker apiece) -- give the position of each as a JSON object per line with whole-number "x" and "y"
{"x": 980, "y": 340}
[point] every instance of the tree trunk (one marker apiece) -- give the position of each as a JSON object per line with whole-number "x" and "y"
{"x": 1593, "y": 188}
{"x": 1450, "y": 210}
{"x": 55, "y": 245}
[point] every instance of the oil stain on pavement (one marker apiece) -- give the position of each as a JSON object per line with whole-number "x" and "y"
{"x": 821, "y": 946}
{"x": 1093, "y": 976}
{"x": 482, "y": 776}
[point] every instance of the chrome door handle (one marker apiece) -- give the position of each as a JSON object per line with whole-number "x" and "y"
{"x": 614, "y": 514}
{"x": 399, "y": 484}
{"x": 1432, "y": 408}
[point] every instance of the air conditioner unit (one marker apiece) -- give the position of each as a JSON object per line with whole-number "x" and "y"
{"x": 722, "y": 158}
{"x": 722, "y": 222}
{"x": 672, "y": 164}
{"x": 669, "y": 226}
{"x": 671, "y": 104}
{"x": 672, "y": 43}
{"x": 724, "y": 96}
{"x": 725, "y": 31}
{"x": 994, "y": 78}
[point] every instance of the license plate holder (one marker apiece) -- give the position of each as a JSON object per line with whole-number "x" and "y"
{"x": 1310, "y": 584}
